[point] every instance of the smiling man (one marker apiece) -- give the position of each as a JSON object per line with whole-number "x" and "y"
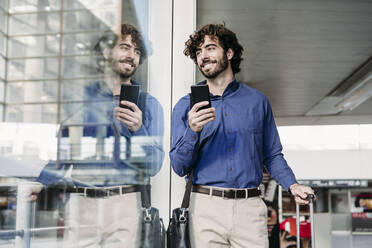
{"x": 227, "y": 146}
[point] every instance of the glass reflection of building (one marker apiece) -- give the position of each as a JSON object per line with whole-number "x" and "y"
{"x": 46, "y": 62}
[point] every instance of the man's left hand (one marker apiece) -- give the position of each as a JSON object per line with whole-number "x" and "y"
{"x": 300, "y": 192}
{"x": 132, "y": 117}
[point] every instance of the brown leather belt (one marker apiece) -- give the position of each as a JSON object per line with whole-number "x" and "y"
{"x": 106, "y": 191}
{"x": 227, "y": 193}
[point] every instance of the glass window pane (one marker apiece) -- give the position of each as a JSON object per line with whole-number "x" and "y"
{"x": 2, "y": 68}
{"x": 4, "y": 4}
{"x": 88, "y": 4}
{"x": 34, "y": 5}
{"x": 2, "y": 20}
{"x": 76, "y": 90}
{"x": 80, "y": 43}
{"x": 33, "y": 46}
{"x": 27, "y": 141}
{"x": 90, "y": 20}
{"x": 80, "y": 67}
{"x": 41, "y": 113}
{"x": 21, "y": 69}
{"x": 38, "y": 23}
{"x": 1, "y": 112}
{"x": 32, "y": 92}
{"x": 87, "y": 113}
{"x": 2, "y": 44}
{"x": 1, "y": 91}
{"x": 72, "y": 113}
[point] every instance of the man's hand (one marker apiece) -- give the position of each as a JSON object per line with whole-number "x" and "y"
{"x": 300, "y": 193}
{"x": 34, "y": 191}
{"x": 29, "y": 191}
{"x": 197, "y": 120}
{"x": 132, "y": 117}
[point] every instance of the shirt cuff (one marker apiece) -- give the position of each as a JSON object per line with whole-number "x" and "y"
{"x": 190, "y": 137}
{"x": 140, "y": 132}
{"x": 287, "y": 187}
{"x": 48, "y": 177}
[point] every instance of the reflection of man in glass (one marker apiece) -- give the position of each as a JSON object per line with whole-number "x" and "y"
{"x": 111, "y": 186}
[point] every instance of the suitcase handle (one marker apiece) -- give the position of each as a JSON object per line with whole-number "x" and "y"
{"x": 310, "y": 198}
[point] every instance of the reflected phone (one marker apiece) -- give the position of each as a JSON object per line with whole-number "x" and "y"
{"x": 129, "y": 93}
{"x": 200, "y": 93}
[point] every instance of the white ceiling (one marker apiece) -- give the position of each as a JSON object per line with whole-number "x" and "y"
{"x": 296, "y": 51}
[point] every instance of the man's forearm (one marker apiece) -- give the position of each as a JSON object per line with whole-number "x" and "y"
{"x": 184, "y": 153}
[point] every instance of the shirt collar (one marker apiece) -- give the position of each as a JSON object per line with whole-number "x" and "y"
{"x": 231, "y": 87}
{"x": 102, "y": 85}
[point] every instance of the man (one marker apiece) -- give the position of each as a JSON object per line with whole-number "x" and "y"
{"x": 111, "y": 186}
{"x": 226, "y": 146}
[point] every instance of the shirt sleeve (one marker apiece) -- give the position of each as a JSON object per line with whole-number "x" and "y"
{"x": 272, "y": 148}
{"x": 185, "y": 142}
{"x": 50, "y": 177}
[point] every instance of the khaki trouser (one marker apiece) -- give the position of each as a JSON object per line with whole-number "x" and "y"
{"x": 220, "y": 222}
{"x": 112, "y": 222}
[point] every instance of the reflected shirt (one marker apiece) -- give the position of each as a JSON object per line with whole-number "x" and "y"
{"x": 231, "y": 150}
{"x": 96, "y": 118}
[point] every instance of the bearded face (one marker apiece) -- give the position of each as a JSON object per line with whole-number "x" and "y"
{"x": 211, "y": 68}
{"x": 124, "y": 58}
{"x": 211, "y": 58}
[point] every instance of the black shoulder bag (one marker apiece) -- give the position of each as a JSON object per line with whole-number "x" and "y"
{"x": 153, "y": 230}
{"x": 178, "y": 230}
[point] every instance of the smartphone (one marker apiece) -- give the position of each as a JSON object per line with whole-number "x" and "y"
{"x": 129, "y": 93}
{"x": 200, "y": 93}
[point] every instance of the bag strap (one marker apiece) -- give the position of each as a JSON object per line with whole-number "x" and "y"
{"x": 142, "y": 104}
{"x": 186, "y": 196}
{"x": 146, "y": 191}
{"x": 146, "y": 196}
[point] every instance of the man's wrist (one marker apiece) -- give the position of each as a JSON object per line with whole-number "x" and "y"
{"x": 290, "y": 189}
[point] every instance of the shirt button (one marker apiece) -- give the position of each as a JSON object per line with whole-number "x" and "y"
{"x": 230, "y": 150}
{"x": 228, "y": 131}
{"x": 225, "y": 114}
{"x": 230, "y": 169}
{"x": 194, "y": 137}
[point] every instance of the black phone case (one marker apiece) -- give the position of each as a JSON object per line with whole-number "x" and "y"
{"x": 200, "y": 93}
{"x": 129, "y": 93}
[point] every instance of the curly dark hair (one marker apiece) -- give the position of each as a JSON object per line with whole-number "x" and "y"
{"x": 109, "y": 41}
{"x": 226, "y": 38}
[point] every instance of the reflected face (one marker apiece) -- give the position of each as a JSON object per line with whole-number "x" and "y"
{"x": 211, "y": 58}
{"x": 125, "y": 57}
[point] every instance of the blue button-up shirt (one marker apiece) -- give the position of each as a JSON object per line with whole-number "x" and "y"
{"x": 231, "y": 150}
